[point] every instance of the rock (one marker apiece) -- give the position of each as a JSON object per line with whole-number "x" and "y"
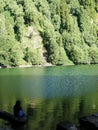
{"x": 66, "y": 125}
{"x": 3, "y": 128}
{"x": 89, "y": 122}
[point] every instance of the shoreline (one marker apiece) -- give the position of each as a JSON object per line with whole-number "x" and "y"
{"x": 47, "y": 64}
{"x": 42, "y": 65}
{"x": 28, "y": 65}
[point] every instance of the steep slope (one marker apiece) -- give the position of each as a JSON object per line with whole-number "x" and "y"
{"x": 35, "y": 32}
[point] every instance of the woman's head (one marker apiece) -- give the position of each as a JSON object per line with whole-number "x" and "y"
{"x": 18, "y": 102}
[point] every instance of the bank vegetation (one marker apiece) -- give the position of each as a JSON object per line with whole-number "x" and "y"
{"x": 58, "y": 32}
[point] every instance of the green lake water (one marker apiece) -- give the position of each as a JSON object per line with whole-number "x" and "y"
{"x": 50, "y": 94}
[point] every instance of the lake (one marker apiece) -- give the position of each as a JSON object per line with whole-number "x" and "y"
{"x": 50, "y": 94}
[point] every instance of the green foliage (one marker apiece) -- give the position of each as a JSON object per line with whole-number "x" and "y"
{"x": 66, "y": 29}
{"x": 19, "y": 28}
{"x": 93, "y": 53}
{"x": 74, "y": 7}
{"x": 43, "y": 7}
{"x": 84, "y": 20}
{"x": 64, "y": 15}
{"x": 87, "y": 3}
{"x": 6, "y": 44}
{"x": 56, "y": 22}
{"x": 33, "y": 56}
{"x": 75, "y": 54}
{"x": 3, "y": 31}
{"x": 31, "y": 13}
{"x": 2, "y": 4}
{"x": 16, "y": 55}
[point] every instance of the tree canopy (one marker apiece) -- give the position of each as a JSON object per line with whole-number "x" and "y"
{"x": 60, "y": 32}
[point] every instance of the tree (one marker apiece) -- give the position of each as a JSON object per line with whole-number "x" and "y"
{"x": 67, "y": 29}
{"x": 2, "y": 4}
{"x": 93, "y": 53}
{"x": 33, "y": 56}
{"x": 64, "y": 15}
{"x": 43, "y": 7}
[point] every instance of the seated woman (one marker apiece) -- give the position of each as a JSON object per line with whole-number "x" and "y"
{"x": 18, "y": 111}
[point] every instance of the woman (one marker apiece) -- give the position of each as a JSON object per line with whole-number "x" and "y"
{"x": 18, "y": 111}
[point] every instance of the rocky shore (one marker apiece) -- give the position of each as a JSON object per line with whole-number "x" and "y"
{"x": 2, "y": 128}
{"x": 27, "y": 66}
{"x": 86, "y": 123}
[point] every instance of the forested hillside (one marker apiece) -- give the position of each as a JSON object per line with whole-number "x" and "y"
{"x": 61, "y": 32}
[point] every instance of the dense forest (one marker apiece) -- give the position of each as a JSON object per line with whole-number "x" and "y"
{"x": 60, "y": 32}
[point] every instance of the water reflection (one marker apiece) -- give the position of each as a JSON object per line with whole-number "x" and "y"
{"x": 48, "y": 113}
{"x": 50, "y": 95}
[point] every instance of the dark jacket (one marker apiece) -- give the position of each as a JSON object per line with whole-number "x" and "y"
{"x": 18, "y": 111}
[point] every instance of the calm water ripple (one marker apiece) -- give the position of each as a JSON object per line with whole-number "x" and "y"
{"x": 50, "y": 94}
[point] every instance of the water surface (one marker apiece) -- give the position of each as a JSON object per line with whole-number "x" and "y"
{"x": 50, "y": 94}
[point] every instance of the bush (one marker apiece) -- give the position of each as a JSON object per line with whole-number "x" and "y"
{"x": 93, "y": 53}
{"x": 33, "y": 56}
{"x": 16, "y": 55}
{"x": 75, "y": 54}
